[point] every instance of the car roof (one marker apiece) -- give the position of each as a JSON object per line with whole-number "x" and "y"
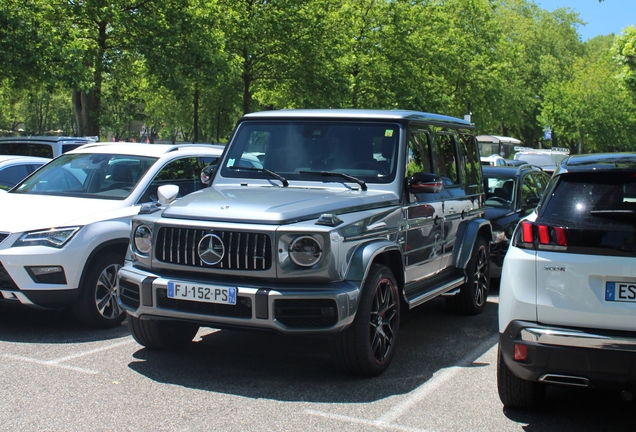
{"x": 359, "y": 114}
{"x": 492, "y": 171}
{"x": 142, "y": 149}
{"x": 598, "y": 162}
{"x": 46, "y": 139}
{"x": 496, "y": 139}
{"x": 19, "y": 158}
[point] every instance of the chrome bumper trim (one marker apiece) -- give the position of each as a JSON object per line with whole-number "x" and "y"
{"x": 577, "y": 339}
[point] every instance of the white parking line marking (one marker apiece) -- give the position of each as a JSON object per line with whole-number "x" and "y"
{"x": 57, "y": 362}
{"x": 50, "y": 363}
{"x": 376, "y": 424}
{"x": 438, "y": 379}
{"x": 386, "y": 420}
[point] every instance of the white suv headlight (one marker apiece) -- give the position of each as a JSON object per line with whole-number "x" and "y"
{"x": 53, "y": 237}
{"x": 305, "y": 251}
{"x": 142, "y": 239}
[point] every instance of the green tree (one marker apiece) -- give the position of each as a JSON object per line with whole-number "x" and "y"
{"x": 624, "y": 50}
{"x": 537, "y": 47}
{"x": 590, "y": 110}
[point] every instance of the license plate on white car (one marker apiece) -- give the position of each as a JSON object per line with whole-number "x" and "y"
{"x": 201, "y": 293}
{"x": 620, "y": 291}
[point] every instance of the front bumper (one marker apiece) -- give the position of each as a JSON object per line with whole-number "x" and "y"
{"x": 580, "y": 357}
{"x": 289, "y": 309}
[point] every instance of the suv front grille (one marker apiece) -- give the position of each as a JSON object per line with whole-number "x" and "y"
{"x": 242, "y": 308}
{"x": 243, "y": 250}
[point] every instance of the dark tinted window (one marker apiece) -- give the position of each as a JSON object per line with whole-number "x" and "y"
{"x": 69, "y": 147}
{"x": 593, "y": 200}
{"x": 26, "y": 149}
{"x": 470, "y": 159}
{"x": 12, "y": 175}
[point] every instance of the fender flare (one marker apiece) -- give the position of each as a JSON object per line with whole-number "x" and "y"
{"x": 367, "y": 253}
{"x": 465, "y": 241}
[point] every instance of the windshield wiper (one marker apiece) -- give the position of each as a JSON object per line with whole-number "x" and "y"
{"x": 282, "y": 179}
{"x": 347, "y": 177}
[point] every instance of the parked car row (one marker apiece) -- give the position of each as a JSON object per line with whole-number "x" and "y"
{"x": 331, "y": 222}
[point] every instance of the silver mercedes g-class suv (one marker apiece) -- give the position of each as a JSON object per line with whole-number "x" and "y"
{"x": 352, "y": 216}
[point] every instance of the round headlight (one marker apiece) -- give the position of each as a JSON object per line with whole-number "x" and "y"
{"x": 305, "y": 251}
{"x": 143, "y": 239}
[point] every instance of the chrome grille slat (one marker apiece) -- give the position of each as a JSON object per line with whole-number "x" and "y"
{"x": 243, "y": 250}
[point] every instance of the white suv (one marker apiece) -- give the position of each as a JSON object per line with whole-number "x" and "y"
{"x": 567, "y": 311}
{"x": 64, "y": 230}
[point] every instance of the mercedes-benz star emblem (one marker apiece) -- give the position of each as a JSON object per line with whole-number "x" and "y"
{"x": 211, "y": 249}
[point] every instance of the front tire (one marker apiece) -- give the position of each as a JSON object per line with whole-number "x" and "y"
{"x": 515, "y": 392}
{"x": 97, "y": 304}
{"x": 367, "y": 347}
{"x": 473, "y": 295}
{"x": 162, "y": 335}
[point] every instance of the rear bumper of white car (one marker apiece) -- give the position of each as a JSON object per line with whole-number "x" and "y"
{"x": 578, "y": 357}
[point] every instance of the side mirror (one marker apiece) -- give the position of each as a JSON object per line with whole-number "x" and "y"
{"x": 531, "y": 202}
{"x": 425, "y": 183}
{"x": 207, "y": 173}
{"x": 167, "y": 194}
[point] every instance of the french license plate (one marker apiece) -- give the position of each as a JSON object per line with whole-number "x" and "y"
{"x": 201, "y": 293}
{"x": 620, "y": 291}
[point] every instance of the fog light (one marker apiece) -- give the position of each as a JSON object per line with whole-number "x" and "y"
{"x": 521, "y": 352}
{"x": 39, "y": 271}
{"x": 47, "y": 274}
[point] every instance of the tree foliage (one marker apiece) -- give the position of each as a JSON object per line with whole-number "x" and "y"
{"x": 187, "y": 69}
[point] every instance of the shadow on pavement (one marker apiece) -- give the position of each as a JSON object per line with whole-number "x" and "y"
{"x": 576, "y": 409}
{"x": 24, "y": 325}
{"x": 266, "y": 365}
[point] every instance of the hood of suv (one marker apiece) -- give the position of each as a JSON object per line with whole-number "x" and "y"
{"x": 274, "y": 205}
{"x": 30, "y": 212}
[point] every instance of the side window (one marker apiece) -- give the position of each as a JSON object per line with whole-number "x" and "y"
{"x": 185, "y": 173}
{"x": 446, "y": 158}
{"x": 529, "y": 189}
{"x": 469, "y": 158}
{"x": 419, "y": 153}
{"x": 12, "y": 175}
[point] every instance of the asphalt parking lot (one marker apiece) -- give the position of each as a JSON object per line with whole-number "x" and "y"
{"x": 60, "y": 376}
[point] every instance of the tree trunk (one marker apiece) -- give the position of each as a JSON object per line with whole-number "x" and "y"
{"x": 195, "y": 116}
{"x": 87, "y": 104}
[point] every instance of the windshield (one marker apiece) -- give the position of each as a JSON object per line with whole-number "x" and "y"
{"x": 306, "y": 150}
{"x": 106, "y": 176}
{"x": 541, "y": 159}
{"x": 499, "y": 191}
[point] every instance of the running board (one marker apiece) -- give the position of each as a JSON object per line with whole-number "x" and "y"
{"x": 440, "y": 290}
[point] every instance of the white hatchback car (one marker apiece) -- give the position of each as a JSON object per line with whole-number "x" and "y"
{"x": 67, "y": 233}
{"x": 567, "y": 307}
